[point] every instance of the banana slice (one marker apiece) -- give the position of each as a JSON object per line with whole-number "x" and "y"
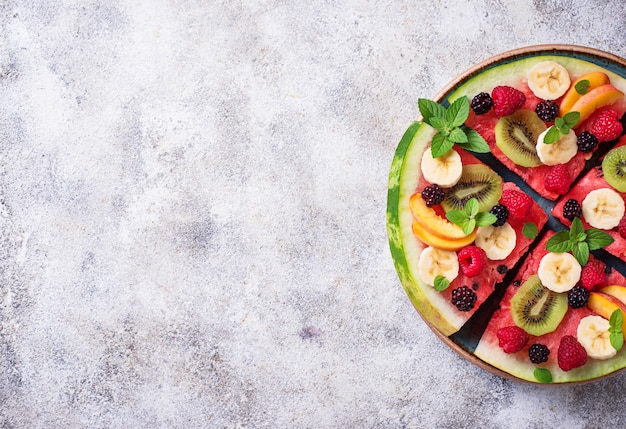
{"x": 548, "y": 80}
{"x": 603, "y": 208}
{"x": 558, "y": 152}
{"x": 497, "y": 241}
{"x": 593, "y": 334}
{"x": 433, "y": 262}
{"x": 559, "y": 272}
{"x": 444, "y": 171}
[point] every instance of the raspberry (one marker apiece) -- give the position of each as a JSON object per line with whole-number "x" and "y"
{"x": 507, "y": 100}
{"x": 501, "y": 212}
{"x": 433, "y": 195}
{"x": 621, "y": 227}
{"x": 547, "y": 110}
{"x": 538, "y": 353}
{"x": 577, "y": 297}
{"x": 463, "y": 298}
{"x": 512, "y": 339}
{"x": 517, "y": 203}
{"x": 558, "y": 179}
{"x": 593, "y": 275}
{"x": 606, "y": 125}
{"x": 572, "y": 209}
{"x": 481, "y": 103}
{"x": 571, "y": 353}
{"x": 472, "y": 260}
{"x": 586, "y": 141}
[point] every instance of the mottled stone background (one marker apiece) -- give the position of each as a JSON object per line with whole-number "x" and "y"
{"x": 192, "y": 210}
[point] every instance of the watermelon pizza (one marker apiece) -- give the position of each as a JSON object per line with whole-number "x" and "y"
{"x": 506, "y": 215}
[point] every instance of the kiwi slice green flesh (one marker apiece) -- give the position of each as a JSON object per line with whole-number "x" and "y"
{"x": 614, "y": 168}
{"x": 536, "y": 309}
{"x": 477, "y": 181}
{"x": 516, "y": 136}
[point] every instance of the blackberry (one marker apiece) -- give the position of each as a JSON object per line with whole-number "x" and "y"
{"x": 481, "y": 103}
{"x": 463, "y": 298}
{"x": 577, "y": 297}
{"x": 547, "y": 110}
{"x": 572, "y": 209}
{"x": 586, "y": 141}
{"x": 433, "y": 195}
{"x": 501, "y": 212}
{"x": 538, "y": 353}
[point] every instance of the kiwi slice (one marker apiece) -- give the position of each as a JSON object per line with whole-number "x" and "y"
{"x": 477, "y": 181}
{"x": 614, "y": 168}
{"x": 536, "y": 309}
{"x": 516, "y": 136}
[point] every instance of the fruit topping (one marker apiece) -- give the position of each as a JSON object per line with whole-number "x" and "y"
{"x": 497, "y": 241}
{"x": 538, "y": 353}
{"x": 429, "y": 220}
{"x": 593, "y": 334}
{"x": 577, "y": 297}
{"x": 558, "y": 179}
{"x": 444, "y": 171}
{"x": 603, "y": 208}
{"x": 547, "y": 110}
{"x": 476, "y": 181}
{"x": 463, "y": 298}
{"x": 536, "y": 309}
{"x": 586, "y": 142}
{"x": 548, "y": 80}
{"x": 512, "y": 339}
{"x": 614, "y": 168}
{"x": 517, "y": 203}
{"x": 435, "y": 262}
{"x": 606, "y": 125}
{"x": 433, "y": 195}
{"x": 580, "y": 87}
{"x": 481, "y": 103}
{"x": 594, "y": 99}
{"x": 516, "y": 136}
{"x": 501, "y": 212}
{"x": 571, "y": 354}
{"x": 559, "y": 272}
{"x": 472, "y": 260}
{"x": 507, "y": 100}
{"x": 559, "y": 152}
{"x": 593, "y": 275}
{"x": 572, "y": 209}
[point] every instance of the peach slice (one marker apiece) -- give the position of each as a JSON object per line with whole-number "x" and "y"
{"x": 441, "y": 243}
{"x": 431, "y": 221}
{"x": 605, "y": 305}
{"x": 598, "y": 97}
{"x": 595, "y": 80}
{"x": 615, "y": 291}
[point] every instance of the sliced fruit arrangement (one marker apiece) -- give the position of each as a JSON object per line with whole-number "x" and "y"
{"x": 482, "y": 192}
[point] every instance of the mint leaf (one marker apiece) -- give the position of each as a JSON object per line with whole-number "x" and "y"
{"x": 485, "y": 218}
{"x": 559, "y": 242}
{"x": 469, "y": 226}
{"x": 615, "y": 328}
{"x": 475, "y": 142}
{"x": 529, "y": 230}
{"x": 440, "y": 124}
{"x": 457, "y": 217}
{"x": 458, "y": 112}
{"x": 471, "y": 207}
{"x": 577, "y": 228}
{"x": 440, "y": 145}
{"x": 559, "y": 122}
{"x": 564, "y": 129}
{"x": 617, "y": 340}
{"x": 582, "y": 87}
{"x": 552, "y": 136}
{"x": 581, "y": 253}
{"x": 597, "y": 239}
{"x": 571, "y": 119}
{"x": 457, "y": 135}
{"x": 543, "y": 375}
{"x": 429, "y": 109}
{"x": 441, "y": 283}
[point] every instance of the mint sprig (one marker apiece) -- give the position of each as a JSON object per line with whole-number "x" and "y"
{"x": 561, "y": 127}
{"x": 441, "y": 283}
{"x": 449, "y": 125}
{"x": 579, "y": 241}
{"x": 529, "y": 230}
{"x": 470, "y": 218}
{"x": 543, "y": 375}
{"x": 616, "y": 336}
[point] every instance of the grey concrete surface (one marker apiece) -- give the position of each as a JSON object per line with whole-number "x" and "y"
{"x": 192, "y": 210}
